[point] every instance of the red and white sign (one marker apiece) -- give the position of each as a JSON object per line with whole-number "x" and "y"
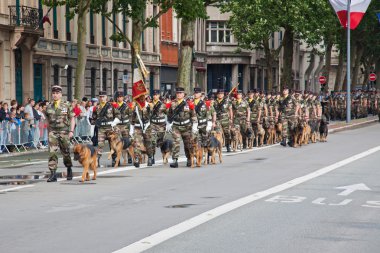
{"x": 372, "y": 77}
{"x": 322, "y": 79}
{"x": 358, "y": 9}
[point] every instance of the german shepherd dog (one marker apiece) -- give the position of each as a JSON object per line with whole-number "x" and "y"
{"x": 86, "y": 155}
{"x": 214, "y": 147}
{"x": 314, "y": 130}
{"x": 120, "y": 146}
{"x": 250, "y": 138}
{"x": 323, "y": 129}
{"x": 301, "y": 130}
{"x": 166, "y": 150}
{"x": 196, "y": 152}
{"x": 236, "y": 138}
{"x": 278, "y": 135}
{"x": 259, "y": 135}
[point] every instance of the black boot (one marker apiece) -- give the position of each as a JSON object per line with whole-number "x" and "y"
{"x": 283, "y": 143}
{"x": 153, "y": 160}
{"x": 228, "y": 148}
{"x": 69, "y": 173}
{"x": 150, "y": 161}
{"x": 53, "y": 177}
{"x": 188, "y": 164}
{"x": 137, "y": 163}
{"x": 129, "y": 159}
{"x": 174, "y": 164}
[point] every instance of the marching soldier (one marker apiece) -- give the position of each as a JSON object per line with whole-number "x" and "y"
{"x": 204, "y": 117}
{"x": 183, "y": 123}
{"x": 289, "y": 113}
{"x": 158, "y": 122}
{"x": 61, "y": 124}
{"x": 224, "y": 116}
{"x": 124, "y": 125}
{"x": 141, "y": 130}
{"x": 241, "y": 114}
{"x": 105, "y": 117}
{"x": 256, "y": 107}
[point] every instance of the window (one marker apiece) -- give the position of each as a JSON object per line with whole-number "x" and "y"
{"x": 68, "y": 33}
{"x": 55, "y": 29}
{"x": 115, "y": 80}
{"x": 218, "y": 32}
{"x": 93, "y": 82}
{"x": 69, "y": 83}
{"x": 125, "y": 28}
{"x": 104, "y": 36}
{"x": 114, "y": 28}
{"x": 56, "y": 74}
{"x": 125, "y": 83}
{"x": 92, "y": 36}
{"x": 104, "y": 81}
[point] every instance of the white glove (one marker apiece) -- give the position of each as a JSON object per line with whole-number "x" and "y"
{"x": 115, "y": 122}
{"x": 131, "y": 131}
{"x": 169, "y": 127}
{"x": 209, "y": 126}
{"x": 146, "y": 127}
{"x": 195, "y": 128}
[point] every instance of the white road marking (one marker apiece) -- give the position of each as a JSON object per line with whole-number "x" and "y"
{"x": 164, "y": 235}
{"x": 352, "y": 188}
{"x": 17, "y": 188}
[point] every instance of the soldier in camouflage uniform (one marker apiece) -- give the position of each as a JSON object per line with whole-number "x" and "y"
{"x": 105, "y": 116}
{"x": 158, "y": 121}
{"x": 182, "y": 123}
{"x": 256, "y": 106}
{"x": 124, "y": 125}
{"x": 289, "y": 113}
{"x": 61, "y": 124}
{"x": 141, "y": 130}
{"x": 204, "y": 117}
{"x": 241, "y": 113}
{"x": 224, "y": 116}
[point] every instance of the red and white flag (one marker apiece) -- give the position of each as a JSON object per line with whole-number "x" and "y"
{"x": 358, "y": 9}
{"x": 138, "y": 88}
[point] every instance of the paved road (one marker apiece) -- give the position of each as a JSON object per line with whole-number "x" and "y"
{"x": 125, "y": 206}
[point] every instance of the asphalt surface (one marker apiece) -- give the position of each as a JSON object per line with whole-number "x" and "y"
{"x": 125, "y": 206}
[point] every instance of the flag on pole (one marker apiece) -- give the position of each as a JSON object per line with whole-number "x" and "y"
{"x": 358, "y": 9}
{"x": 46, "y": 19}
{"x": 234, "y": 91}
{"x": 138, "y": 89}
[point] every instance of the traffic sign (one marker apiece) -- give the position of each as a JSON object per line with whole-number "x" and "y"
{"x": 322, "y": 79}
{"x": 372, "y": 77}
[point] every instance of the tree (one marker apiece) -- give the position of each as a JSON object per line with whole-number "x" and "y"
{"x": 79, "y": 8}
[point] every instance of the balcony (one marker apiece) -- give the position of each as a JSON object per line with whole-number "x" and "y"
{"x": 24, "y": 16}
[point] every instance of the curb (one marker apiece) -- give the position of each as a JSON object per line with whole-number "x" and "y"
{"x": 331, "y": 131}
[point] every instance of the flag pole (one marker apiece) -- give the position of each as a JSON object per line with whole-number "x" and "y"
{"x": 348, "y": 116}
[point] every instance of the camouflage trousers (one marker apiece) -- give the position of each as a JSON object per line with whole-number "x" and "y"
{"x": 158, "y": 134}
{"x": 124, "y": 130}
{"x": 143, "y": 141}
{"x": 225, "y": 127}
{"x": 186, "y": 134}
{"x": 59, "y": 140}
{"x": 288, "y": 126}
{"x": 202, "y": 135}
{"x": 102, "y": 138}
{"x": 243, "y": 130}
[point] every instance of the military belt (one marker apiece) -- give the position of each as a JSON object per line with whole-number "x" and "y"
{"x": 124, "y": 122}
{"x": 158, "y": 120}
{"x": 105, "y": 123}
{"x": 202, "y": 121}
{"x": 139, "y": 126}
{"x": 182, "y": 123}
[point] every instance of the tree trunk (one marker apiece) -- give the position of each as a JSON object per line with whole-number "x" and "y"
{"x": 377, "y": 70}
{"x": 355, "y": 74}
{"x": 328, "y": 61}
{"x": 269, "y": 58}
{"x": 186, "y": 55}
{"x": 287, "y": 79}
{"x": 339, "y": 72}
{"x": 309, "y": 70}
{"x": 82, "y": 50}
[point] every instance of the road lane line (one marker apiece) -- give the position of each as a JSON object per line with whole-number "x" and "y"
{"x": 164, "y": 235}
{"x": 17, "y": 188}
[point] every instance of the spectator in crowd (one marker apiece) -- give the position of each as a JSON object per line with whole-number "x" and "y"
{"x": 14, "y": 104}
{"x": 25, "y": 130}
{"x": 43, "y": 125}
{"x": 20, "y": 112}
{"x": 29, "y": 109}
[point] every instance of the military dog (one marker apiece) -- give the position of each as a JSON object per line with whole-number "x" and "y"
{"x": 214, "y": 147}
{"x": 250, "y": 138}
{"x": 259, "y": 135}
{"x": 120, "y": 146}
{"x": 278, "y": 127}
{"x": 86, "y": 155}
{"x": 196, "y": 152}
{"x": 166, "y": 150}
{"x": 236, "y": 138}
{"x": 323, "y": 129}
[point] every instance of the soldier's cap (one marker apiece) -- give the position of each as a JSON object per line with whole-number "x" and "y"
{"x": 102, "y": 93}
{"x": 253, "y": 91}
{"x": 297, "y": 91}
{"x": 156, "y": 92}
{"x": 119, "y": 94}
{"x": 221, "y": 91}
{"x": 285, "y": 88}
{"x": 56, "y": 88}
{"x": 240, "y": 92}
{"x": 179, "y": 89}
{"x": 197, "y": 90}
{"x": 94, "y": 100}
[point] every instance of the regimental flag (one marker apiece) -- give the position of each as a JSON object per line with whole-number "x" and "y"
{"x": 138, "y": 89}
{"x": 358, "y": 9}
{"x": 46, "y": 19}
{"x": 234, "y": 91}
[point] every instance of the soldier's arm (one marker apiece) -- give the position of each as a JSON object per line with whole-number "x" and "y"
{"x": 71, "y": 117}
{"x": 231, "y": 113}
{"x": 116, "y": 113}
